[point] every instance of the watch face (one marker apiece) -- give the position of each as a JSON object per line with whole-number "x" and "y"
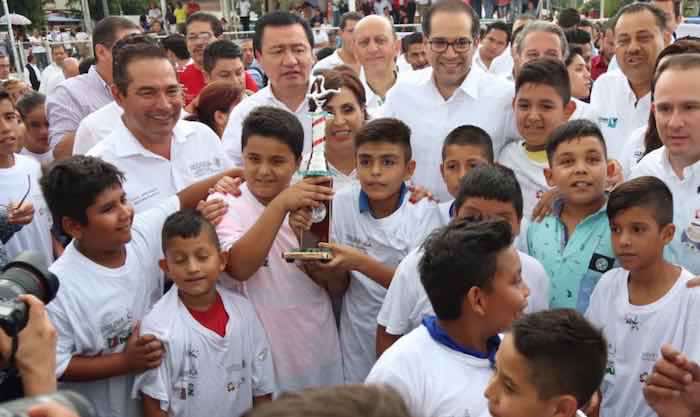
{"x": 318, "y": 213}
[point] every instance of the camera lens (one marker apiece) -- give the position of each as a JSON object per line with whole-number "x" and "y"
{"x": 28, "y": 274}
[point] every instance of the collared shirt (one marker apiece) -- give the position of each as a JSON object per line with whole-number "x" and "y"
{"x": 618, "y": 109}
{"x": 481, "y": 100}
{"x": 231, "y": 138}
{"x": 574, "y": 263}
{"x": 196, "y": 153}
{"x": 74, "y": 99}
{"x": 363, "y": 201}
{"x": 598, "y": 67}
{"x": 96, "y": 127}
{"x": 329, "y": 62}
{"x": 50, "y": 79}
{"x": 501, "y": 66}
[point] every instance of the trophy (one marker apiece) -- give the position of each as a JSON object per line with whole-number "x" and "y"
{"x": 316, "y": 166}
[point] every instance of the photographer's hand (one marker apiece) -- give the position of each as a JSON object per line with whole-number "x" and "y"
{"x": 50, "y": 409}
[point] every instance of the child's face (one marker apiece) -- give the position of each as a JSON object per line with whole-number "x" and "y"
{"x": 579, "y": 170}
{"x": 483, "y": 209}
{"x": 9, "y": 121}
{"x": 382, "y": 168}
{"x": 538, "y": 111}
{"x": 268, "y": 166}
{"x": 109, "y": 221}
{"x": 460, "y": 159}
{"x": 194, "y": 264}
{"x": 637, "y": 239}
{"x": 36, "y": 138}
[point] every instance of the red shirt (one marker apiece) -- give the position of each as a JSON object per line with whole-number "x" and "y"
{"x": 214, "y": 319}
{"x": 598, "y": 67}
{"x": 192, "y": 80}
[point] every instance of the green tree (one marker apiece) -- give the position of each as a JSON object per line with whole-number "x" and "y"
{"x": 31, "y": 9}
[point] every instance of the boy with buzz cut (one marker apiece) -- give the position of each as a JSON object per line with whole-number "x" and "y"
{"x": 549, "y": 365}
{"x": 295, "y": 308}
{"x": 573, "y": 242}
{"x": 485, "y": 192}
{"x": 109, "y": 280}
{"x": 542, "y": 103}
{"x": 471, "y": 308}
{"x": 374, "y": 226}
{"x": 645, "y": 303}
{"x": 202, "y": 327}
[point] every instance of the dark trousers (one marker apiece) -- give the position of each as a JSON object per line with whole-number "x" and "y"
{"x": 245, "y": 22}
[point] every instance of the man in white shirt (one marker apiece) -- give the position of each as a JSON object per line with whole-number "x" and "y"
{"x": 414, "y": 52}
{"x": 158, "y": 153}
{"x": 494, "y": 44}
{"x": 622, "y": 99}
{"x": 450, "y": 93}
{"x": 53, "y": 74}
{"x": 344, "y": 55}
{"x": 283, "y": 46}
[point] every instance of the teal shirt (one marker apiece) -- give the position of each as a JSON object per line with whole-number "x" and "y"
{"x": 574, "y": 264}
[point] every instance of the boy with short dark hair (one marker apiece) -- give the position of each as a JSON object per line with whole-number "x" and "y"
{"x": 645, "y": 303}
{"x": 470, "y": 310}
{"x": 573, "y": 242}
{"x": 223, "y": 60}
{"x": 203, "y": 327}
{"x": 294, "y": 308}
{"x": 548, "y": 365}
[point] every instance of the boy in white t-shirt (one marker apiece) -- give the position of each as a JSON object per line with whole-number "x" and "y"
{"x": 471, "y": 273}
{"x": 485, "y": 192}
{"x": 542, "y": 103}
{"x": 295, "y": 308}
{"x": 109, "y": 280}
{"x": 217, "y": 360}
{"x": 644, "y": 304}
{"x": 550, "y": 364}
{"x": 32, "y": 109}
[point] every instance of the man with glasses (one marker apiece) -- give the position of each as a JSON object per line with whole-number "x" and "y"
{"x": 450, "y": 93}
{"x": 201, "y": 29}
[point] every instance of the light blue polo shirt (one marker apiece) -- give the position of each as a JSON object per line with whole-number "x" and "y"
{"x": 574, "y": 263}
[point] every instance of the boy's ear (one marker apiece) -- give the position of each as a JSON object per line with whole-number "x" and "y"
{"x": 410, "y": 169}
{"x": 564, "y": 406}
{"x": 569, "y": 109}
{"x": 72, "y": 227}
{"x": 548, "y": 177}
{"x": 163, "y": 264}
{"x": 223, "y": 257}
{"x": 475, "y": 301}
{"x": 667, "y": 233}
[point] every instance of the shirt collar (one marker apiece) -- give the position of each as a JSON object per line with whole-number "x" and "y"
{"x": 687, "y": 171}
{"x": 558, "y": 206}
{"x": 127, "y": 145}
{"x": 364, "y": 199}
{"x": 440, "y": 336}
{"x": 470, "y": 85}
{"x": 93, "y": 72}
{"x": 270, "y": 96}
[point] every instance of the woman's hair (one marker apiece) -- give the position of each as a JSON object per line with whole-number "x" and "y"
{"x": 342, "y": 76}
{"x": 218, "y": 95}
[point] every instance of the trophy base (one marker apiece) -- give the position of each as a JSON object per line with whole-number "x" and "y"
{"x": 308, "y": 255}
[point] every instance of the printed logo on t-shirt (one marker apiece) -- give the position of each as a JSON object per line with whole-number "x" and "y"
{"x": 643, "y": 377}
{"x": 116, "y": 331}
{"x": 610, "y": 122}
{"x": 206, "y": 168}
{"x": 691, "y": 235}
{"x": 610, "y": 368}
{"x": 632, "y": 321}
{"x": 601, "y": 263}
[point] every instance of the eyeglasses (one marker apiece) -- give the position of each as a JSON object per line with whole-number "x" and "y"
{"x": 26, "y": 194}
{"x": 458, "y": 45}
{"x": 204, "y": 36}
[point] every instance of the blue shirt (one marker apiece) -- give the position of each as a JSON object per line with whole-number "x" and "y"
{"x": 574, "y": 263}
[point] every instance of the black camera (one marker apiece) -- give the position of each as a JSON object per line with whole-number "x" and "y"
{"x": 69, "y": 399}
{"x": 26, "y": 274}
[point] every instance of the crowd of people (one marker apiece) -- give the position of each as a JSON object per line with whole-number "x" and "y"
{"x": 514, "y": 231}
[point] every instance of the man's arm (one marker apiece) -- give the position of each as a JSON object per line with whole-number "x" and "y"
{"x": 64, "y": 148}
{"x": 192, "y": 195}
{"x": 384, "y": 340}
{"x": 347, "y": 258}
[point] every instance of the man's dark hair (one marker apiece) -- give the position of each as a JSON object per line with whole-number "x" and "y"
{"x": 105, "y": 32}
{"x": 573, "y": 52}
{"x": 571, "y": 130}
{"x": 459, "y": 256}
{"x": 385, "y": 130}
{"x": 214, "y": 22}
{"x": 568, "y": 18}
{"x": 221, "y": 49}
{"x": 4, "y": 95}
{"x": 324, "y": 53}
{"x": 274, "y": 123}
{"x": 577, "y": 36}
{"x": 647, "y": 192}
{"x": 565, "y": 354}
{"x": 85, "y": 64}
{"x": 491, "y": 182}
{"x": 132, "y": 48}
{"x": 188, "y": 224}
{"x": 499, "y": 25}
{"x": 72, "y": 185}
{"x": 29, "y": 102}
{"x": 176, "y": 44}
{"x": 639, "y": 7}
{"x": 349, "y": 16}
{"x": 469, "y": 135}
{"x": 452, "y": 6}
{"x": 410, "y": 39}
{"x": 546, "y": 71}
{"x": 278, "y": 19}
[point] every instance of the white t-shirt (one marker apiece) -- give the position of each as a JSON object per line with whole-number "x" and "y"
{"x": 633, "y": 151}
{"x": 635, "y": 334}
{"x": 583, "y": 111}
{"x": 95, "y": 127}
{"x": 196, "y": 153}
{"x": 14, "y": 183}
{"x": 387, "y": 240}
{"x": 244, "y": 8}
{"x": 44, "y": 159}
{"x": 530, "y": 174}
{"x": 434, "y": 380}
{"x": 619, "y": 112}
{"x": 231, "y": 138}
{"x": 501, "y": 66}
{"x": 203, "y": 373}
{"x": 320, "y": 36}
{"x": 406, "y": 301}
{"x": 295, "y": 312}
{"x": 50, "y": 78}
{"x": 685, "y": 247}
{"x": 96, "y": 308}
{"x": 481, "y": 100}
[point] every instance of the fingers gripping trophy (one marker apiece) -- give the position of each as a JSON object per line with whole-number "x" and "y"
{"x": 316, "y": 166}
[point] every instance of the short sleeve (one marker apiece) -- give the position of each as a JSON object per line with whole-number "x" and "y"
{"x": 155, "y": 383}
{"x": 538, "y": 281}
{"x": 230, "y": 229}
{"x": 84, "y": 139}
{"x": 65, "y": 343}
{"x": 595, "y": 312}
{"x": 62, "y": 114}
{"x": 399, "y": 300}
{"x": 148, "y": 225}
{"x": 382, "y": 374}
{"x": 263, "y": 382}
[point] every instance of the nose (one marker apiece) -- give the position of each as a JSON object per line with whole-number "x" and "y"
{"x": 624, "y": 238}
{"x": 289, "y": 59}
{"x": 490, "y": 391}
{"x": 192, "y": 265}
{"x": 376, "y": 168}
{"x": 676, "y": 120}
{"x": 450, "y": 51}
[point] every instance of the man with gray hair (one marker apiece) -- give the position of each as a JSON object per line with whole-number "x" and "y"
{"x": 539, "y": 39}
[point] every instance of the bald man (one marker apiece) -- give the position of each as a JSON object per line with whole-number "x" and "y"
{"x": 376, "y": 49}
{"x": 71, "y": 68}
